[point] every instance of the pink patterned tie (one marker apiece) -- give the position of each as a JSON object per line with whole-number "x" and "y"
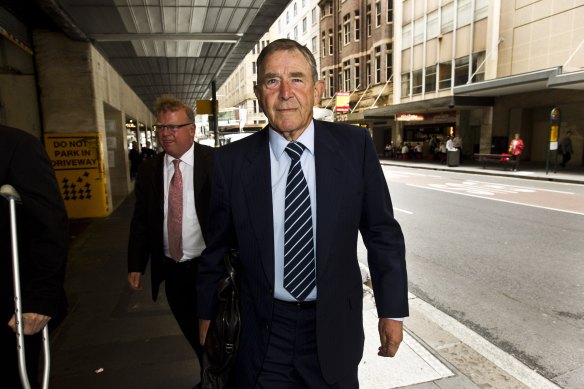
{"x": 175, "y": 213}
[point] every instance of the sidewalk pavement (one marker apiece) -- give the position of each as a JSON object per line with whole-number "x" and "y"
{"x": 115, "y": 337}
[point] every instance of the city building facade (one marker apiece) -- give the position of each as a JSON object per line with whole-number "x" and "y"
{"x": 356, "y": 54}
{"x": 483, "y": 70}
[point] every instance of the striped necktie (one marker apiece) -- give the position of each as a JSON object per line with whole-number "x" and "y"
{"x": 299, "y": 262}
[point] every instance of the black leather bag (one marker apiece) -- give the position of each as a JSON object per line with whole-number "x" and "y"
{"x": 222, "y": 340}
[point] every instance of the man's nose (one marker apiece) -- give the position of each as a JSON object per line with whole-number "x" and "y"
{"x": 285, "y": 90}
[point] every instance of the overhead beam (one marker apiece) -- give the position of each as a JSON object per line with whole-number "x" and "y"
{"x": 190, "y": 36}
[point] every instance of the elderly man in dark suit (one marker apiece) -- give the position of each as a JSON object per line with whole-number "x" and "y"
{"x": 292, "y": 198}
{"x": 168, "y": 227}
{"x": 43, "y": 236}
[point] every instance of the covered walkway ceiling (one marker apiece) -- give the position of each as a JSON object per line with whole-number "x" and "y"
{"x": 168, "y": 46}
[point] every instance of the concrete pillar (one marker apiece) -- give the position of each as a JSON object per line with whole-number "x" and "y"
{"x": 82, "y": 93}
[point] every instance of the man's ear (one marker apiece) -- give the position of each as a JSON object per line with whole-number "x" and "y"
{"x": 318, "y": 91}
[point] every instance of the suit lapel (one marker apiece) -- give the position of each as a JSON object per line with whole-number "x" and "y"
{"x": 256, "y": 180}
{"x": 158, "y": 183}
{"x": 329, "y": 178}
{"x": 200, "y": 173}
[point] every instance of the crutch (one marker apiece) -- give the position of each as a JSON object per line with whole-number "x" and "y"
{"x": 13, "y": 197}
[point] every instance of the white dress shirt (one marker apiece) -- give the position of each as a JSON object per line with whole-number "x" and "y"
{"x": 280, "y": 164}
{"x": 192, "y": 235}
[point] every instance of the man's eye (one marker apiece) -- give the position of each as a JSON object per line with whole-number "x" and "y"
{"x": 271, "y": 82}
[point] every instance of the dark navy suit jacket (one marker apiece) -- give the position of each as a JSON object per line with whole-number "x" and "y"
{"x": 352, "y": 195}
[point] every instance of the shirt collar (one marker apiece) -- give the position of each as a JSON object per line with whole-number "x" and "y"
{"x": 278, "y": 143}
{"x": 186, "y": 157}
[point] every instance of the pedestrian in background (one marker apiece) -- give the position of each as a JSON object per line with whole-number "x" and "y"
{"x": 516, "y": 146}
{"x": 292, "y": 199}
{"x": 43, "y": 237}
{"x": 168, "y": 228}
{"x": 566, "y": 148}
{"x": 147, "y": 152}
{"x": 135, "y": 159}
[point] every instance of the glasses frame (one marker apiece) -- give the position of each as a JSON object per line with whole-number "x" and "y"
{"x": 173, "y": 128}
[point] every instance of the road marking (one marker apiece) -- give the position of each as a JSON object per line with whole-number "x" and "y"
{"x": 496, "y": 199}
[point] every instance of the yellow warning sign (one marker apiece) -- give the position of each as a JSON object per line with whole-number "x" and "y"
{"x": 78, "y": 163}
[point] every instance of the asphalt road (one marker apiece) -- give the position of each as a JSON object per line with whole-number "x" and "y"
{"x": 504, "y": 256}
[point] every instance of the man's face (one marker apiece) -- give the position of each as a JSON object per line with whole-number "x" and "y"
{"x": 178, "y": 142}
{"x": 287, "y": 93}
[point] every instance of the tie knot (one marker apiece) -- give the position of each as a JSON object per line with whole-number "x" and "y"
{"x": 294, "y": 150}
{"x": 176, "y": 163}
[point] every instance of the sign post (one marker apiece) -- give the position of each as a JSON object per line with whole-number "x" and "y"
{"x": 554, "y": 136}
{"x": 78, "y": 164}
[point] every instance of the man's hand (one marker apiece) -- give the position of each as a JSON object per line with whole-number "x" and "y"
{"x": 391, "y": 335}
{"x": 203, "y": 328}
{"x": 32, "y": 323}
{"x": 134, "y": 280}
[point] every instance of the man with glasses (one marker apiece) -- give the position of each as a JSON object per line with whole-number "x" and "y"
{"x": 168, "y": 227}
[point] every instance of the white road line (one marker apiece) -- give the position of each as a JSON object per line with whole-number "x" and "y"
{"x": 517, "y": 187}
{"x": 495, "y": 199}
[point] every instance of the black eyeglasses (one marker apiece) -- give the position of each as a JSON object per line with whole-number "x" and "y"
{"x": 170, "y": 127}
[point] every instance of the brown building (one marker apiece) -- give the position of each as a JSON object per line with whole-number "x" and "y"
{"x": 356, "y": 59}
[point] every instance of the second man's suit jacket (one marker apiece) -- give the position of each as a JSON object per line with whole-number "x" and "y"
{"x": 352, "y": 195}
{"x": 146, "y": 240}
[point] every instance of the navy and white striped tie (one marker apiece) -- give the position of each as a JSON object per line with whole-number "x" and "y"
{"x": 299, "y": 263}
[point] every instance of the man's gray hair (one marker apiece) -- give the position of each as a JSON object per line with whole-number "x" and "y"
{"x": 288, "y": 45}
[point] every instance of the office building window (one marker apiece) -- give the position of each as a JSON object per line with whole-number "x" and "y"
{"x": 481, "y": 9}
{"x": 347, "y": 28}
{"x": 295, "y": 9}
{"x": 378, "y": 13}
{"x": 405, "y": 85}
{"x": 461, "y": 70}
{"x": 331, "y": 84}
{"x": 323, "y": 43}
{"x": 368, "y": 69}
{"x": 464, "y": 13}
{"x": 295, "y": 33}
{"x": 304, "y": 25}
{"x": 331, "y": 42}
{"x": 447, "y": 22}
{"x": 314, "y": 45}
{"x": 253, "y": 67}
{"x": 287, "y": 17}
{"x": 368, "y": 19}
{"x": 388, "y": 63}
{"x": 417, "y": 81}
{"x": 430, "y": 81}
{"x": 347, "y": 70}
{"x": 444, "y": 75}
{"x": 378, "y": 64}
{"x": 407, "y": 36}
{"x": 314, "y": 15}
{"x": 389, "y": 11}
{"x": 432, "y": 27}
{"x": 419, "y": 31}
{"x": 357, "y": 73}
{"x": 357, "y": 26}
{"x": 478, "y": 62}
{"x": 339, "y": 38}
